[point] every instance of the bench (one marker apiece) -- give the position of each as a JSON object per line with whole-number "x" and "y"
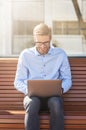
{"x": 11, "y": 101}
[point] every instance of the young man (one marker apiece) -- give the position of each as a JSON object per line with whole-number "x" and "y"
{"x": 43, "y": 61}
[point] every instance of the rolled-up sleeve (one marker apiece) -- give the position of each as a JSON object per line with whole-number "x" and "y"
{"x": 65, "y": 74}
{"x": 20, "y": 82}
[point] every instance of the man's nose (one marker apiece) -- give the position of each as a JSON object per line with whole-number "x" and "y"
{"x": 43, "y": 45}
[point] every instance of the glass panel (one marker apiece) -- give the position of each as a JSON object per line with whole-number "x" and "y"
{"x": 26, "y": 14}
{"x": 66, "y": 17}
{"x": 69, "y": 25}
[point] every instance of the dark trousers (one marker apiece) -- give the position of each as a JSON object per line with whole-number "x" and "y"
{"x": 34, "y": 104}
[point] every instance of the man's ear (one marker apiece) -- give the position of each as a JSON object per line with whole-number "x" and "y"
{"x": 50, "y": 37}
{"x": 34, "y": 37}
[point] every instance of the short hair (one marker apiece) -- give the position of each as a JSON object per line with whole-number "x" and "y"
{"x": 42, "y": 29}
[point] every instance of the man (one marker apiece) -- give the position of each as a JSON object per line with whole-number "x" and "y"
{"x": 43, "y": 61}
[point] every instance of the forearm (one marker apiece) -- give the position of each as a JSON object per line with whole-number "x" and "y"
{"x": 66, "y": 85}
{"x": 20, "y": 86}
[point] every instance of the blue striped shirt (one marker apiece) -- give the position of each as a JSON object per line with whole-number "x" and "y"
{"x": 32, "y": 65}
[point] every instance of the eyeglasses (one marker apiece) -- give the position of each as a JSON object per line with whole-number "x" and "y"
{"x": 42, "y": 43}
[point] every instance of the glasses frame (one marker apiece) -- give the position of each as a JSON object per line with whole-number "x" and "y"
{"x": 42, "y": 43}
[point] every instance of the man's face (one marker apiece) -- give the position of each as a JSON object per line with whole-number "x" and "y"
{"x": 42, "y": 43}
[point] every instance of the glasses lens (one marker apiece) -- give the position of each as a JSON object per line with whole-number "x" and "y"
{"x": 42, "y": 43}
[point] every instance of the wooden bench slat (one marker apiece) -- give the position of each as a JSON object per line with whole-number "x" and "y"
{"x": 73, "y": 88}
{"x": 7, "y": 68}
{"x": 12, "y": 126}
{"x": 11, "y": 92}
{"x": 15, "y": 129}
{"x": 10, "y": 75}
{"x": 10, "y": 95}
{"x": 7, "y": 72}
{"x": 79, "y": 84}
{"x": 14, "y": 95}
{"x": 11, "y": 79}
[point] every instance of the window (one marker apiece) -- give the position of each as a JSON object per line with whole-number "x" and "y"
{"x": 69, "y": 26}
{"x": 66, "y": 17}
{"x": 26, "y": 14}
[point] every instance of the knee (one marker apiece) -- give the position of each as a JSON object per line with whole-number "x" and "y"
{"x": 32, "y": 104}
{"x": 35, "y": 102}
{"x": 55, "y": 105}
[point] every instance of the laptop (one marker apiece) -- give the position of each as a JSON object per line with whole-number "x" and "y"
{"x": 44, "y": 88}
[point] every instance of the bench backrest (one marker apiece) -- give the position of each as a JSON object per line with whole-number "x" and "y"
{"x": 10, "y": 98}
{"x": 74, "y": 100}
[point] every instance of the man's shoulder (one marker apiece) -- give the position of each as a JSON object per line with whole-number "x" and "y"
{"x": 58, "y": 50}
{"x": 27, "y": 51}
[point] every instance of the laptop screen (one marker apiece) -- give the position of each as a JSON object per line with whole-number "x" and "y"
{"x": 44, "y": 88}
